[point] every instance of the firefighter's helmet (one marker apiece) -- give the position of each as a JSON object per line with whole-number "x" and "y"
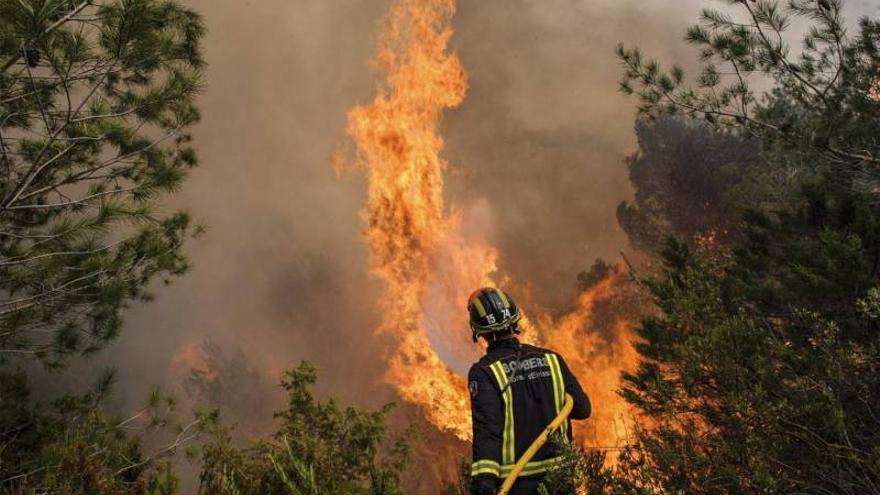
{"x": 492, "y": 311}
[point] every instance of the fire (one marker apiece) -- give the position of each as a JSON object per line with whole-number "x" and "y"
{"x": 419, "y": 249}
{"x": 597, "y": 359}
{"x": 409, "y": 230}
{"x": 190, "y": 358}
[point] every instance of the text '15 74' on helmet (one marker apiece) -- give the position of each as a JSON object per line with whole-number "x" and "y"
{"x": 492, "y": 310}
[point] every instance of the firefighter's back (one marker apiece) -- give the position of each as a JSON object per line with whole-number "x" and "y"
{"x": 531, "y": 384}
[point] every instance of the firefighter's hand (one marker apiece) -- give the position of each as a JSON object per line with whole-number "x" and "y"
{"x": 484, "y": 485}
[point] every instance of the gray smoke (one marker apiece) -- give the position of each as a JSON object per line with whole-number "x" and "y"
{"x": 280, "y": 274}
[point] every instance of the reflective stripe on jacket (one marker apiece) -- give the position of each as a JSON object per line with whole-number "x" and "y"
{"x": 516, "y": 391}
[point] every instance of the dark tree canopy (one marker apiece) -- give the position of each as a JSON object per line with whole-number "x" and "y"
{"x": 95, "y": 101}
{"x": 689, "y": 180}
{"x": 821, "y": 112}
{"x": 760, "y": 369}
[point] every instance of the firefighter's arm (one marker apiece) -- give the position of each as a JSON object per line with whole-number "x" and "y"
{"x": 487, "y": 414}
{"x": 582, "y": 407}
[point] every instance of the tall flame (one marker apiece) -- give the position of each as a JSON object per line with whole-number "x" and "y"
{"x": 417, "y": 244}
{"x": 408, "y": 229}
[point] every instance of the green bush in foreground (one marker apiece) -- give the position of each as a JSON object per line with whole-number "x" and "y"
{"x": 319, "y": 448}
{"x": 77, "y": 448}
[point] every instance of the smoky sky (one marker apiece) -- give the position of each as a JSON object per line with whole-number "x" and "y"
{"x": 281, "y": 272}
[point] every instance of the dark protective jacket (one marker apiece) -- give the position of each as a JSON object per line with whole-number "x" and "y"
{"x": 516, "y": 391}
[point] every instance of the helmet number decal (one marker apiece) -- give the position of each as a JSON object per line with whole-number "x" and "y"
{"x": 505, "y": 315}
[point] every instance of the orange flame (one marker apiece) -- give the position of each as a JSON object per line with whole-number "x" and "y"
{"x": 408, "y": 228}
{"x": 419, "y": 248}
{"x": 597, "y": 360}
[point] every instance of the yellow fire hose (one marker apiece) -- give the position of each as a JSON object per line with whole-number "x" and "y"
{"x": 536, "y": 445}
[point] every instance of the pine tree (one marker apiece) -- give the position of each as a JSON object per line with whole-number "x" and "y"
{"x": 691, "y": 181}
{"x": 821, "y": 113}
{"x": 96, "y": 97}
{"x": 760, "y": 372}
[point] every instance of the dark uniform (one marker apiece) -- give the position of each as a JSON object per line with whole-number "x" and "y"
{"x": 516, "y": 391}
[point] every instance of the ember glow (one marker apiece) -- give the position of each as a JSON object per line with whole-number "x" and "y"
{"x": 189, "y": 360}
{"x": 420, "y": 250}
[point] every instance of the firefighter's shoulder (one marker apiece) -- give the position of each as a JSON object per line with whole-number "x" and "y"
{"x": 533, "y": 349}
{"x": 478, "y": 367}
{"x": 479, "y": 378}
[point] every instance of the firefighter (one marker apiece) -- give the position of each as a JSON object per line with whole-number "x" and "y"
{"x": 516, "y": 390}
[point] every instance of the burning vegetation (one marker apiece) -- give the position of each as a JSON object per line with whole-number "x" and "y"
{"x": 753, "y": 368}
{"x": 428, "y": 264}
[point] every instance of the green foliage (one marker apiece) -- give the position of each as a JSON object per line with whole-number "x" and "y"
{"x": 691, "y": 180}
{"x": 744, "y": 399}
{"x": 821, "y": 112}
{"x": 760, "y": 370}
{"x": 318, "y": 448}
{"x": 95, "y": 101}
{"x": 78, "y": 448}
{"x": 587, "y": 472}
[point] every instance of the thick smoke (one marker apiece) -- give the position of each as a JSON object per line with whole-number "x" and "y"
{"x": 544, "y": 131}
{"x": 537, "y": 147}
{"x": 281, "y": 270}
